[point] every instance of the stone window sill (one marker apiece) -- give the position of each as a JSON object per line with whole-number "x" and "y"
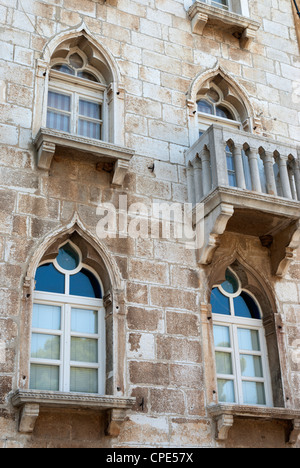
{"x": 224, "y": 416}
{"x": 241, "y": 27}
{"x": 112, "y": 158}
{"x": 31, "y": 402}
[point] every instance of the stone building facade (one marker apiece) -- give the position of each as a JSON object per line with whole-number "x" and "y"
{"x": 126, "y": 105}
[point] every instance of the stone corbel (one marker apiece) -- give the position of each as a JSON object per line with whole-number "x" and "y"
{"x": 120, "y": 170}
{"x": 295, "y": 432}
{"x": 284, "y": 248}
{"x": 199, "y": 22}
{"x": 247, "y": 37}
{"x": 214, "y": 226}
{"x": 45, "y": 155}
{"x": 28, "y": 416}
{"x": 223, "y": 424}
{"x": 115, "y": 418}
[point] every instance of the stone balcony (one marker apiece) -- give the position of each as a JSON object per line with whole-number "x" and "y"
{"x": 203, "y": 13}
{"x": 249, "y": 185}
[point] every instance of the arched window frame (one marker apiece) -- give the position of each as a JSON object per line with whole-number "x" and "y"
{"x": 235, "y": 323}
{"x": 67, "y": 303}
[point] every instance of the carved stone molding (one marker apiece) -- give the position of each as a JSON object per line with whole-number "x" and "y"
{"x": 241, "y": 27}
{"x": 31, "y": 402}
{"x": 225, "y": 415}
{"x": 47, "y": 141}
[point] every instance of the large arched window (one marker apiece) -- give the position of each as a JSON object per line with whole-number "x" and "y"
{"x": 243, "y": 375}
{"x": 68, "y": 326}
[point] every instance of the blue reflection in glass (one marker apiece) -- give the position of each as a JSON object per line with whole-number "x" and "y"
{"x": 231, "y": 285}
{"x": 68, "y": 258}
{"x": 85, "y": 284}
{"x": 219, "y": 303}
{"x": 245, "y": 306}
{"x": 48, "y": 279}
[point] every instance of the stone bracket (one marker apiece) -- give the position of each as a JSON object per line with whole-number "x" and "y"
{"x": 284, "y": 247}
{"x": 214, "y": 226}
{"x": 30, "y": 403}
{"x": 241, "y": 27}
{"x": 224, "y": 417}
{"x": 48, "y": 140}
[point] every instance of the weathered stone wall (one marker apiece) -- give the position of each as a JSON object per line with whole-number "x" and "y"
{"x": 159, "y": 58}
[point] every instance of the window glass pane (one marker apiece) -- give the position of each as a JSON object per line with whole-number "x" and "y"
{"x": 85, "y": 284}
{"x": 84, "y": 380}
{"x": 254, "y": 393}
{"x": 76, "y": 61}
{"x": 231, "y": 285}
{"x": 251, "y": 366}
{"x": 84, "y": 321}
{"x": 245, "y": 306}
{"x": 59, "y": 101}
{"x": 205, "y": 107}
{"x": 45, "y": 346}
{"x": 223, "y": 363}
{"x": 226, "y": 391}
{"x": 89, "y": 129}
{"x": 248, "y": 339}
{"x": 221, "y": 336}
{"x": 87, "y": 76}
{"x": 219, "y": 303}
{"x": 89, "y": 109}
{"x": 44, "y": 377}
{"x": 64, "y": 69}
{"x": 223, "y": 112}
{"x": 220, "y": 4}
{"x": 46, "y": 316}
{"x": 48, "y": 279}
{"x": 68, "y": 258}
{"x": 84, "y": 349}
{"x": 58, "y": 121}
{"x": 262, "y": 174}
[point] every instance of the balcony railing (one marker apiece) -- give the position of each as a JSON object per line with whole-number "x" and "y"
{"x": 249, "y": 182}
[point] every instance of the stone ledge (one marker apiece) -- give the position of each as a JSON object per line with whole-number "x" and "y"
{"x": 30, "y": 402}
{"x": 48, "y": 140}
{"x": 224, "y": 416}
{"x": 241, "y": 27}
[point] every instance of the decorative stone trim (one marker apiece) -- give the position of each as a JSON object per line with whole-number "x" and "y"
{"x": 241, "y": 27}
{"x": 47, "y": 141}
{"x": 30, "y": 403}
{"x": 224, "y": 417}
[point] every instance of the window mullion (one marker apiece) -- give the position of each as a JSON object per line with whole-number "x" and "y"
{"x": 66, "y": 348}
{"x": 236, "y": 357}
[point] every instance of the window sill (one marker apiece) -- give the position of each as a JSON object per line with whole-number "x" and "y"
{"x": 116, "y": 157}
{"x": 30, "y": 402}
{"x": 241, "y": 27}
{"x": 224, "y": 416}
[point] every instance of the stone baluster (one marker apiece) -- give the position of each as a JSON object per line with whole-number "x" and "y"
{"x": 239, "y": 168}
{"x": 191, "y": 184}
{"x": 198, "y": 179}
{"x": 284, "y": 176}
{"x": 206, "y": 171}
{"x": 253, "y": 163}
{"x": 297, "y": 176}
{"x": 268, "y": 160}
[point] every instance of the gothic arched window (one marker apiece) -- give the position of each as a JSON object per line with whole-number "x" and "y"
{"x": 76, "y": 96}
{"x": 243, "y": 375}
{"x": 68, "y": 326}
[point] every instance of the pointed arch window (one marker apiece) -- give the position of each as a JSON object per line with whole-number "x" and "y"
{"x": 68, "y": 328}
{"x": 242, "y": 368}
{"x": 76, "y": 96}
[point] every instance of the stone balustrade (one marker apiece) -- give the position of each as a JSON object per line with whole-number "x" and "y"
{"x": 231, "y": 158}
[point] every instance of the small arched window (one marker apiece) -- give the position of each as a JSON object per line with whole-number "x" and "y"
{"x": 68, "y": 328}
{"x": 76, "y": 96}
{"x": 243, "y": 375}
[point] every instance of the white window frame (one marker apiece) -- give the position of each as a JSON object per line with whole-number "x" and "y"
{"x": 78, "y": 88}
{"x": 66, "y": 302}
{"x": 233, "y": 323}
